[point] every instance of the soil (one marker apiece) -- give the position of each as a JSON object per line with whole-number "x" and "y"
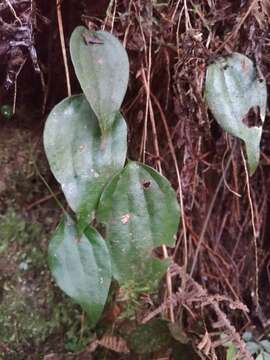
{"x": 172, "y": 42}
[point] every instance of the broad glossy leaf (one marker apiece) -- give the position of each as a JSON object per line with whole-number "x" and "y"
{"x": 140, "y": 211}
{"x": 102, "y": 70}
{"x": 81, "y": 266}
{"x": 232, "y": 88}
{"x": 80, "y": 157}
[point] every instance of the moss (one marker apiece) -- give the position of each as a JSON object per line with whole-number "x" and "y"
{"x": 36, "y": 318}
{"x": 14, "y": 228}
{"x": 19, "y": 321}
{"x": 32, "y": 309}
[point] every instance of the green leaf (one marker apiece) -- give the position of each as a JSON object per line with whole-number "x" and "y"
{"x": 266, "y": 356}
{"x": 266, "y": 345}
{"x": 140, "y": 211}
{"x": 81, "y": 266}
{"x": 247, "y": 336}
{"x": 232, "y": 88}
{"x": 80, "y": 157}
{"x": 102, "y": 70}
{"x": 252, "y": 347}
{"x": 231, "y": 351}
{"x": 150, "y": 337}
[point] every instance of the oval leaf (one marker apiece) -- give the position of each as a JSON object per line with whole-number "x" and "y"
{"x": 81, "y": 266}
{"x": 102, "y": 68}
{"x": 232, "y": 88}
{"x": 80, "y": 157}
{"x": 140, "y": 212}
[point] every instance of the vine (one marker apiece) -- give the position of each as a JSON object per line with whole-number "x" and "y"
{"x": 85, "y": 141}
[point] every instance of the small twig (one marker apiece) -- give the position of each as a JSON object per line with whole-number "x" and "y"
{"x": 108, "y": 14}
{"x": 152, "y": 119}
{"x": 209, "y": 213}
{"x": 113, "y": 15}
{"x": 156, "y": 146}
{"x": 4, "y": 5}
{"x": 148, "y": 60}
{"x": 200, "y": 296}
{"x": 173, "y": 154}
{"x": 128, "y": 26}
{"x": 15, "y": 87}
{"x": 187, "y": 18}
{"x": 50, "y": 190}
{"x": 254, "y": 233}
{"x": 41, "y": 201}
{"x": 178, "y": 47}
{"x": 238, "y": 27}
{"x": 63, "y": 47}
{"x": 13, "y": 12}
{"x": 225, "y": 181}
{"x": 175, "y": 10}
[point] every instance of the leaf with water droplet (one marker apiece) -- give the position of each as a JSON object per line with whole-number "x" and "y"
{"x": 138, "y": 219}
{"x": 102, "y": 70}
{"x": 232, "y": 88}
{"x": 80, "y": 157}
{"x": 81, "y": 266}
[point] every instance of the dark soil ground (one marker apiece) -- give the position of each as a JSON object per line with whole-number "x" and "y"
{"x": 169, "y": 44}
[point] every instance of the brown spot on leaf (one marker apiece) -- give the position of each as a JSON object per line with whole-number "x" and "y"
{"x": 146, "y": 184}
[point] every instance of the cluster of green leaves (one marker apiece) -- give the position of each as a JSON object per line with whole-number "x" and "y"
{"x": 85, "y": 140}
{"x": 259, "y": 349}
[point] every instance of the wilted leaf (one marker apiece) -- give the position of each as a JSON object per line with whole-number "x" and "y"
{"x": 80, "y": 157}
{"x": 232, "y": 88}
{"x": 140, "y": 212}
{"x": 102, "y": 70}
{"x": 81, "y": 266}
